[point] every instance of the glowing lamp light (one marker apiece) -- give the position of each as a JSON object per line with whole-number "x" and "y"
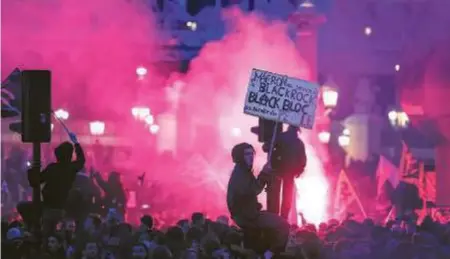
{"x": 392, "y": 115}
{"x": 140, "y": 113}
{"x": 52, "y": 126}
{"x": 149, "y": 120}
{"x": 236, "y": 132}
{"x": 307, "y": 4}
{"x": 62, "y": 114}
{"x": 97, "y": 128}
{"x": 154, "y": 129}
{"x": 398, "y": 119}
{"x": 28, "y": 163}
{"x": 192, "y": 25}
{"x": 324, "y": 137}
{"x": 346, "y": 132}
{"x": 330, "y": 94}
{"x": 397, "y": 67}
{"x": 141, "y": 71}
{"x": 367, "y": 31}
{"x": 145, "y": 206}
{"x": 344, "y": 140}
{"x": 403, "y": 119}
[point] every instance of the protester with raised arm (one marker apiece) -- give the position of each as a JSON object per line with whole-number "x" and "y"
{"x": 58, "y": 178}
{"x": 243, "y": 190}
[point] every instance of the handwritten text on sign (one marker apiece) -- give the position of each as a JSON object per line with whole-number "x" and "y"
{"x": 270, "y": 94}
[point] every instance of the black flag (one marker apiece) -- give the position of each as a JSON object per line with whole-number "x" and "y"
{"x": 11, "y": 95}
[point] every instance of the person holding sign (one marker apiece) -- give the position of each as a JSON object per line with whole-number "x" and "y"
{"x": 282, "y": 99}
{"x": 242, "y": 198}
{"x": 289, "y": 163}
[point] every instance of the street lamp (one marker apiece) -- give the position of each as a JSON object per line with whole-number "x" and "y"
{"x": 62, "y": 114}
{"x": 307, "y": 4}
{"x": 149, "y": 120}
{"x": 97, "y": 128}
{"x": 330, "y": 94}
{"x": 141, "y": 71}
{"x": 367, "y": 31}
{"x": 324, "y": 137}
{"x": 140, "y": 112}
{"x": 192, "y": 25}
{"x": 154, "y": 129}
{"x": 398, "y": 119}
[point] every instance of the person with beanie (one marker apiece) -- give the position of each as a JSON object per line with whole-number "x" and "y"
{"x": 242, "y": 198}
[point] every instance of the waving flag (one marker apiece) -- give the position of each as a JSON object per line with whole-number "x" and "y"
{"x": 387, "y": 172}
{"x": 346, "y": 195}
{"x": 11, "y": 95}
{"x": 388, "y": 177}
{"x": 409, "y": 166}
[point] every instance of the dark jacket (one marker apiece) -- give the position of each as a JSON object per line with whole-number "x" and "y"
{"x": 292, "y": 152}
{"x": 59, "y": 177}
{"x": 243, "y": 189}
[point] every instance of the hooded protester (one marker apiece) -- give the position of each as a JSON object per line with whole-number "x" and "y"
{"x": 58, "y": 179}
{"x": 242, "y": 194}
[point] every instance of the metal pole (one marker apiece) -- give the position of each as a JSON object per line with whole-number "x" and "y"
{"x": 272, "y": 144}
{"x": 36, "y": 171}
{"x": 273, "y": 140}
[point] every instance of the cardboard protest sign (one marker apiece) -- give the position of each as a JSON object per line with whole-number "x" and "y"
{"x": 281, "y": 98}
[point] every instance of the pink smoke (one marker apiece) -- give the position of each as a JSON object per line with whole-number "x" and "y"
{"x": 219, "y": 76}
{"x": 93, "y": 49}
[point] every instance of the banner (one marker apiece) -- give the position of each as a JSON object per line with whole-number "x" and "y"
{"x": 430, "y": 186}
{"x": 409, "y": 166}
{"x": 11, "y": 90}
{"x": 388, "y": 178}
{"x": 387, "y": 172}
{"x": 281, "y": 98}
{"x": 345, "y": 196}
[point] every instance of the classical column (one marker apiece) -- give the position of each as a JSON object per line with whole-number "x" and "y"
{"x": 365, "y": 125}
{"x": 306, "y": 21}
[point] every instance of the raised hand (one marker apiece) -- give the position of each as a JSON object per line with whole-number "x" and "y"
{"x": 73, "y": 138}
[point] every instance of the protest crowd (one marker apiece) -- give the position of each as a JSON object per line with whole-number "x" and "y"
{"x": 74, "y": 227}
{"x": 193, "y": 188}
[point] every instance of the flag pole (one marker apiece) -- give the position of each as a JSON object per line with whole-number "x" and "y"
{"x": 361, "y": 207}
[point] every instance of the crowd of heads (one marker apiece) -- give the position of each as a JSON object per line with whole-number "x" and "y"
{"x": 201, "y": 237}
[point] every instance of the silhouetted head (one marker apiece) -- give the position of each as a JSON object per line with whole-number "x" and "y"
{"x": 243, "y": 154}
{"x": 293, "y": 129}
{"x": 198, "y": 219}
{"x": 64, "y": 152}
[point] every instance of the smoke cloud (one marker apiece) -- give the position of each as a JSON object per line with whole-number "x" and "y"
{"x": 93, "y": 49}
